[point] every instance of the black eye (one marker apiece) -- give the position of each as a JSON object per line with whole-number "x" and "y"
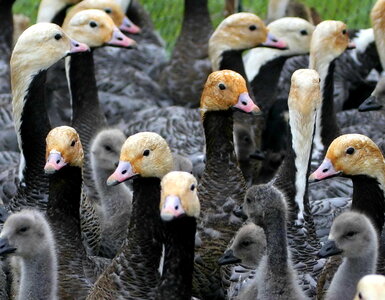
{"x": 246, "y": 243}
{"x": 146, "y": 152}
{"x": 192, "y": 187}
{"x": 359, "y": 295}
{"x": 303, "y": 32}
{"x": 93, "y": 24}
{"x": 108, "y": 148}
{"x": 222, "y": 86}
{"x": 23, "y": 229}
{"x": 344, "y": 31}
{"x": 108, "y": 10}
{"x": 73, "y": 143}
{"x": 252, "y": 27}
{"x": 351, "y": 234}
{"x": 248, "y": 200}
{"x": 58, "y": 36}
{"x": 350, "y": 150}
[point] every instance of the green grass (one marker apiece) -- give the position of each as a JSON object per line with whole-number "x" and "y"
{"x": 167, "y": 14}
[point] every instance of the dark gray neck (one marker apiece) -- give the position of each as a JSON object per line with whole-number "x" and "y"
{"x": 6, "y": 35}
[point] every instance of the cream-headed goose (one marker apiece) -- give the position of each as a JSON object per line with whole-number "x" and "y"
{"x": 145, "y": 158}
{"x": 49, "y": 43}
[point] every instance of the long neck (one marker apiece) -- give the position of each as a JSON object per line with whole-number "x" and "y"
{"x": 277, "y": 9}
{"x": 377, "y": 22}
{"x": 326, "y": 124}
{"x": 34, "y": 127}
{"x": 275, "y": 231}
{"x": 39, "y": 277}
{"x": 87, "y": 116}
{"x": 232, "y": 60}
{"x": 368, "y": 198}
{"x": 176, "y": 281}
{"x": 6, "y": 31}
{"x": 196, "y": 11}
{"x": 52, "y": 12}
{"x": 64, "y": 194}
{"x": 265, "y": 81}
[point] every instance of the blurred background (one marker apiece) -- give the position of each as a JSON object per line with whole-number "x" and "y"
{"x": 167, "y": 14}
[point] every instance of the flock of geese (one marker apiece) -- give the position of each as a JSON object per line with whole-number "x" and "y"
{"x": 128, "y": 175}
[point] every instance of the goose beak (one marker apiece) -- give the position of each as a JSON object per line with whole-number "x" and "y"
{"x": 246, "y": 104}
{"x": 273, "y": 42}
{"x": 258, "y": 155}
{"x": 128, "y": 26}
{"x": 172, "y": 208}
{"x": 228, "y": 258}
{"x": 238, "y": 212}
{"x": 54, "y": 162}
{"x": 5, "y": 248}
{"x": 325, "y": 170}
{"x": 122, "y": 173}
{"x": 351, "y": 46}
{"x": 120, "y": 40}
{"x": 78, "y": 47}
{"x": 370, "y": 104}
{"x": 329, "y": 249}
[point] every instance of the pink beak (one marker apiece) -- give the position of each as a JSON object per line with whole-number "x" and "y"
{"x": 129, "y": 27}
{"x": 78, "y": 47}
{"x": 351, "y": 45}
{"x": 273, "y": 42}
{"x": 120, "y": 40}
{"x": 122, "y": 173}
{"x": 325, "y": 170}
{"x": 246, "y": 104}
{"x": 54, "y": 163}
{"x": 172, "y": 208}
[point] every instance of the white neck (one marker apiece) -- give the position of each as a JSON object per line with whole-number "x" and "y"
{"x": 124, "y": 4}
{"x": 48, "y": 9}
{"x": 277, "y": 9}
{"x": 256, "y": 58}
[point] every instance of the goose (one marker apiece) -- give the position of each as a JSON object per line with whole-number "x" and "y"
{"x": 145, "y": 157}
{"x": 27, "y": 235}
{"x": 371, "y": 287}
{"x": 247, "y": 248}
{"x": 358, "y": 158}
{"x": 179, "y": 211}
{"x": 222, "y": 184}
{"x": 48, "y": 41}
{"x": 276, "y": 278}
{"x": 183, "y": 77}
{"x": 115, "y": 201}
{"x": 353, "y": 236}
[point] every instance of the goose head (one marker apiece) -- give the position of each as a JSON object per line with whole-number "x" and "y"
{"x": 350, "y": 155}
{"x": 248, "y": 247}
{"x": 144, "y": 154}
{"x": 371, "y": 287}
{"x": 110, "y": 7}
{"x": 25, "y": 234}
{"x": 225, "y": 90}
{"x": 351, "y": 234}
{"x": 295, "y": 32}
{"x": 330, "y": 39}
{"x": 63, "y": 147}
{"x": 95, "y": 28}
{"x": 376, "y": 100}
{"x": 179, "y": 196}
{"x": 105, "y": 148}
{"x": 260, "y": 201}
{"x": 240, "y": 32}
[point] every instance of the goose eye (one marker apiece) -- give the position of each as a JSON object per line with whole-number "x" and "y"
{"x": 23, "y": 229}
{"x": 93, "y": 24}
{"x": 344, "y": 31}
{"x": 350, "y": 234}
{"x": 222, "y": 86}
{"x": 350, "y": 150}
{"x": 252, "y": 27}
{"x": 73, "y": 143}
{"x": 303, "y": 32}
{"x": 146, "y": 152}
{"x": 248, "y": 200}
{"x": 108, "y": 148}
{"x": 359, "y": 295}
{"x": 246, "y": 243}
{"x": 108, "y": 10}
{"x": 58, "y": 36}
{"x": 192, "y": 187}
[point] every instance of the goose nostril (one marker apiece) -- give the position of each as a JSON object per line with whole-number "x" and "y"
{"x": 244, "y": 102}
{"x": 58, "y": 161}
{"x": 76, "y": 45}
{"x": 176, "y": 207}
{"x": 120, "y": 39}
{"x": 325, "y": 170}
{"x": 274, "y": 40}
{"x": 124, "y": 172}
